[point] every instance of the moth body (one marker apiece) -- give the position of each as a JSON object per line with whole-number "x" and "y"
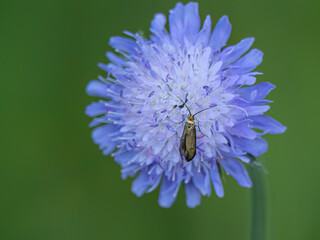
{"x": 188, "y": 140}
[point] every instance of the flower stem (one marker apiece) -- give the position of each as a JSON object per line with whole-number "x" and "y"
{"x": 258, "y": 203}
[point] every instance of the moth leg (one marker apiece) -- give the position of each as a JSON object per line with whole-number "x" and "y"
{"x": 200, "y": 129}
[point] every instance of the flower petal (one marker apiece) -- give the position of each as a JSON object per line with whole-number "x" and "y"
{"x": 176, "y": 25}
{"x": 256, "y": 110}
{"x": 267, "y": 124}
{"x": 236, "y": 51}
{"x": 100, "y": 135}
{"x": 115, "y": 59}
{"x": 158, "y": 25}
{"x": 241, "y": 129}
{"x": 255, "y": 147}
{"x": 184, "y": 21}
{"x": 97, "y": 89}
{"x": 96, "y": 109}
{"x": 247, "y": 63}
{"x": 201, "y": 181}
{"x": 256, "y": 92}
{"x": 125, "y": 157}
{"x": 107, "y": 149}
{"x": 216, "y": 180}
{"x": 155, "y": 183}
{"x": 141, "y": 184}
{"x": 220, "y": 34}
{"x": 122, "y": 44}
{"x": 204, "y": 35}
{"x": 191, "y": 20}
{"x": 237, "y": 171}
{"x": 193, "y": 196}
{"x": 168, "y": 192}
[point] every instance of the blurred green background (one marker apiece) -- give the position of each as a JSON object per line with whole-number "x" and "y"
{"x": 55, "y": 183}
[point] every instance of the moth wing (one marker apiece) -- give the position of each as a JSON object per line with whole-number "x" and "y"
{"x": 183, "y": 143}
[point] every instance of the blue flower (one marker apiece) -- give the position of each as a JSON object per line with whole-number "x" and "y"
{"x": 150, "y": 85}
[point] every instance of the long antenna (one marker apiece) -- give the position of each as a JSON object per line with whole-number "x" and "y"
{"x": 202, "y": 110}
{"x": 184, "y": 103}
{"x": 224, "y": 106}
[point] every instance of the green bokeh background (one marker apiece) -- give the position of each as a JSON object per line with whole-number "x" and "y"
{"x": 55, "y": 183}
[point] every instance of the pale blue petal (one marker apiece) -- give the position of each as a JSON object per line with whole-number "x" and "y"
{"x": 100, "y": 135}
{"x": 255, "y": 147}
{"x": 236, "y": 51}
{"x": 267, "y": 124}
{"x": 191, "y": 20}
{"x": 216, "y": 180}
{"x": 115, "y": 59}
{"x": 184, "y": 21}
{"x": 237, "y": 171}
{"x": 201, "y": 181}
{"x": 204, "y": 35}
{"x": 193, "y": 196}
{"x": 140, "y": 184}
{"x": 155, "y": 184}
{"x": 158, "y": 25}
{"x": 167, "y": 194}
{"x": 220, "y": 34}
{"x": 96, "y": 88}
{"x": 125, "y": 45}
{"x": 99, "y": 120}
{"x": 256, "y": 110}
{"x": 96, "y": 109}
{"x": 125, "y": 157}
{"x": 247, "y": 63}
{"x": 109, "y": 148}
{"x": 242, "y": 130}
{"x": 256, "y": 92}
{"x": 176, "y": 24}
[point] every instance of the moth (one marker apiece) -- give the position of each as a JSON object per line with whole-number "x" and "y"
{"x": 188, "y": 141}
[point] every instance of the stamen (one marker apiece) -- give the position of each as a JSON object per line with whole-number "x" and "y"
{"x": 151, "y": 94}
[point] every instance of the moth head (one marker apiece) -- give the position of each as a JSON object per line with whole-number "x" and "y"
{"x": 191, "y": 118}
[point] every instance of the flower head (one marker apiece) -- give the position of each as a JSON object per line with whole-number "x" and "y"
{"x": 150, "y": 87}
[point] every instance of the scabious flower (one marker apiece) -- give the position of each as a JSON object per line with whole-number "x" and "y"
{"x": 147, "y": 83}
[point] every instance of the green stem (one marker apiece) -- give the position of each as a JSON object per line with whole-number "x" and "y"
{"x": 258, "y": 202}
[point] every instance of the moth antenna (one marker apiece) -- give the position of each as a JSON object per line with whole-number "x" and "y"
{"x": 202, "y": 110}
{"x": 188, "y": 109}
{"x": 224, "y": 106}
{"x": 186, "y": 105}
